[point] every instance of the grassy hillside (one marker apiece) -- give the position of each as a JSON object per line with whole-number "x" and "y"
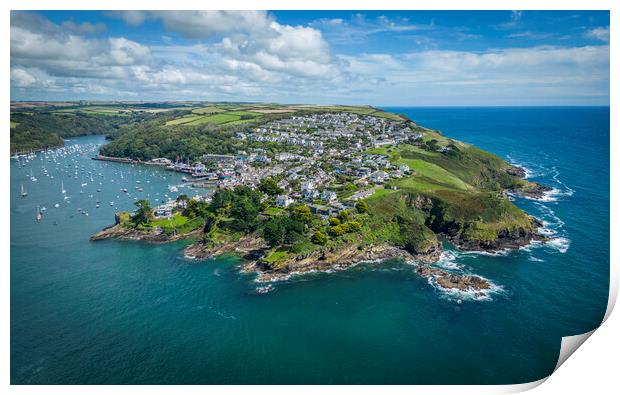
{"x": 463, "y": 189}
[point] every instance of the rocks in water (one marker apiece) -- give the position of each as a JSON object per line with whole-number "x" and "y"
{"x": 531, "y": 190}
{"x": 448, "y": 280}
{"x": 516, "y": 171}
{"x": 152, "y": 235}
{"x": 250, "y": 244}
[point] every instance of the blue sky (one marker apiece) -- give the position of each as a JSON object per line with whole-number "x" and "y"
{"x": 409, "y": 58}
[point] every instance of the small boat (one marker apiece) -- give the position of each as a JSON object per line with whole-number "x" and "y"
{"x": 62, "y": 188}
{"x": 38, "y": 217}
{"x": 57, "y": 205}
{"x": 111, "y": 203}
{"x": 43, "y": 209}
{"x": 24, "y": 193}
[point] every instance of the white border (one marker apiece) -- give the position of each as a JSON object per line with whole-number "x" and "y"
{"x": 592, "y": 370}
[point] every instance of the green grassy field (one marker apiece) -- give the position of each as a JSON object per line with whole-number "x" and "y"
{"x": 184, "y": 120}
{"x": 207, "y": 110}
{"x": 465, "y": 184}
{"x": 233, "y": 114}
{"x": 273, "y": 211}
{"x": 216, "y": 116}
{"x": 178, "y": 224}
{"x": 112, "y": 111}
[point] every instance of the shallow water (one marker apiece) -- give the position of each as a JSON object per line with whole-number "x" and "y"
{"x": 128, "y": 312}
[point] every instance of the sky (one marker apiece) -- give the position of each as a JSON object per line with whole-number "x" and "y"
{"x": 391, "y": 58}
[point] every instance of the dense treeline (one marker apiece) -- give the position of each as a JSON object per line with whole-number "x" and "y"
{"x": 148, "y": 141}
{"x": 151, "y": 138}
{"x": 40, "y": 129}
{"x": 24, "y": 139}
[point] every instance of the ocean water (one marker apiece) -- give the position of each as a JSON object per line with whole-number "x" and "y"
{"x": 127, "y": 312}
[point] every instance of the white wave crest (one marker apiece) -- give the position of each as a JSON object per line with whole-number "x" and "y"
{"x": 560, "y": 244}
{"x": 459, "y": 295}
{"x": 447, "y": 260}
{"x": 265, "y": 289}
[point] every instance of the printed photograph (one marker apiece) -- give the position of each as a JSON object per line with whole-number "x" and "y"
{"x": 306, "y": 197}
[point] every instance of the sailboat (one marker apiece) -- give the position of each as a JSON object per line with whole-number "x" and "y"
{"x": 24, "y": 193}
{"x": 62, "y": 188}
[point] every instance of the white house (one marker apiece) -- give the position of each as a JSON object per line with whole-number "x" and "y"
{"x": 283, "y": 201}
{"x": 379, "y": 176}
{"x": 328, "y": 196}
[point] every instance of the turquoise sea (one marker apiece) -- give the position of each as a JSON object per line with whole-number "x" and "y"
{"x": 116, "y": 312}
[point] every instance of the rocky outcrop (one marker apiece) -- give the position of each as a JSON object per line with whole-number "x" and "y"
{"x": 448, "y": 280}
{"x": 530, "y": 190}
{"x": 516, "y": 171}
{"x": 506, "y": 239}
{"x": 336, "y": 259}
{"x": 155, "y": 235}
{"x": 251, "y": 244}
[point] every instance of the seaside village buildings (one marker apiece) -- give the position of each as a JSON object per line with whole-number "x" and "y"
{"x": 309, "y": 155}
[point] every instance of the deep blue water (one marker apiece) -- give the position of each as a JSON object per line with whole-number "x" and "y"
{"x": 127, "y": 312}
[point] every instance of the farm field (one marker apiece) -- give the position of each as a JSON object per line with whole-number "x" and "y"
{"x": 216, "y": 116}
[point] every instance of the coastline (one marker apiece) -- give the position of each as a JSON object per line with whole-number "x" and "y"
{"x": 253, "y": 249}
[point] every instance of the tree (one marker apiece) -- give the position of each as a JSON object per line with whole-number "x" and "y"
{"x": 432, "y": 145}
{"x": 144, "y": 213}
{"x": 344, "y": 216}
{"x": 337, "y": 230}
{"x": 301, "y": 213}
{"x": 182, "y": 198}
{"x": 269, "y": 186}
{"x": 361, "y": 206}
{"x": 210, "y": 222}
{"x": 333, "y": 221}
{"x": 293, "y": 230}
{"x": 194, "y": 209}
{"x": 244, "y": 211}
{"x": 222, "y": 200}
{"x": 319, "y": 238}
{"x": 354, "y": 226}
{"x": 274, "y": 231}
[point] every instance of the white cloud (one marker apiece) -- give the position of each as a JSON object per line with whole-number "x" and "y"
{"x": 84, "y": 28}
{"x": 31, "y": 78}
{"x": 359, "y": 28}
{"x": 131, "y": 17}
{"x": 126, "y": 52}
{"x": 22, "y": 78}
{"x": 599, "y": 33}
{"x": 204, "y": 24}
{"x": 251, "y": 56}
{"x": 522, "y": 75}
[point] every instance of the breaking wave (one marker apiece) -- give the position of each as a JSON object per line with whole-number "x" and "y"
{"x": 560, "y": 244}
{"x": 459, "y": 295}
{"x": 448, "y": 261}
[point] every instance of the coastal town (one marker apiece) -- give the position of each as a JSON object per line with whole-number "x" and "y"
{"x": 327, "y": 161}
{"x": 322, "y": 188}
